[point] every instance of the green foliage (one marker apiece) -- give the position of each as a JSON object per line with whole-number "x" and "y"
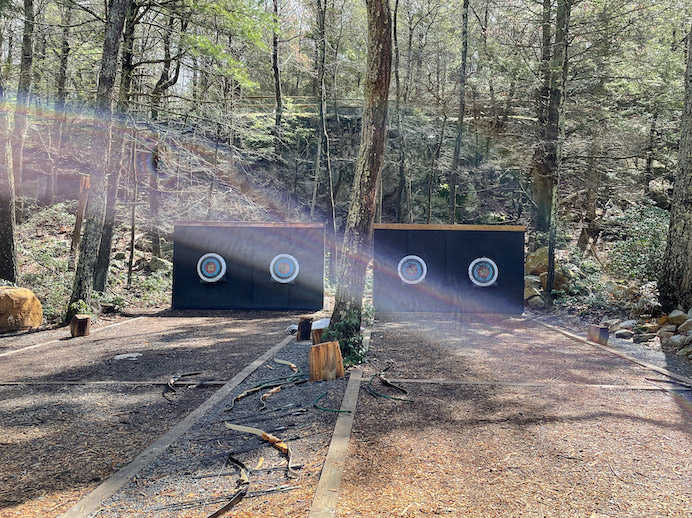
{"x": 347, "y": 333}
{"x": 79, "y": 307}
{"x": 588, "y": 290}
{"x": 638, "y": 255}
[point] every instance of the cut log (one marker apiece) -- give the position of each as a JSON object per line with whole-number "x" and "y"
{"x": 598, "y": 334}
{"x": 80, "y": 325}
{"x": 325, "y": 361}
{"x": 316, "y": 336}
{"x": 304, "y": 327}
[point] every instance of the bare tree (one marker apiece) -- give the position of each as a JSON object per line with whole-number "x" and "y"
{"x": 357, "y": 247}
{"x": 8, "y": 253}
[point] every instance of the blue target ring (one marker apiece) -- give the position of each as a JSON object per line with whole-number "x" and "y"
{"x": 284, "y": 268}
{"x": 483, "y": 272}
{"x": 412, "y": 269}
{"x": 211, "y": 267}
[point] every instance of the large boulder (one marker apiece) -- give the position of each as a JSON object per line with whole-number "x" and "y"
{"x": 677, "y": 317}
{"x": 19, "y": 309}
{"x": 560, "y": 281}
{"x": 537, "y": 262}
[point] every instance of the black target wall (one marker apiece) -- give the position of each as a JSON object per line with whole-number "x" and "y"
{"x": 448, "y": 251}
{"x": 248, "y": 250}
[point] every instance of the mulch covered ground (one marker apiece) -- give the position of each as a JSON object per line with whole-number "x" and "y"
{"x": 59, "y": 441}
{"x": 563, "y": 436}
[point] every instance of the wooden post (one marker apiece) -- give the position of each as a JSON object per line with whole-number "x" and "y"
{"x": 80, "y": 325}
{"x": 304, "y": 327}
{"x": 325, "y": 361}
{"x": 81, "y": 206}
{"x": 598, "y": 334}
{"x": 316, "y": 336}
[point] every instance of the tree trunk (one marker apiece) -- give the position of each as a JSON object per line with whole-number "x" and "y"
{"x": 100, "y": 143}
{"x": 155, "y": 203}
{"x": 357, "y": 248}
{"x": 556, "y": 132}
{"x": 544, "y": 159}
{"x": 115, "y": 163}
{"x": 8, "y": 252}
{"x": 456, "y": 157}
{"x": 60, "y": 100}
{"x": 165, "y": 79}
{"x": 321, "y": 56}
{"x": 277, "y": 82}
{"x": 23, "y": 92}
{"x": 675, "y": 284}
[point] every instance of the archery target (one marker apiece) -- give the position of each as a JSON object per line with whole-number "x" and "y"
{"x": 284, "y": 268}
{"x": 412, "y": 269}
{"x": 483, "y": 272}
{"x": 211, "y": 267}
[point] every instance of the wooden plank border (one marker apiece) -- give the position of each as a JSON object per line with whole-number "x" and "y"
{"x": 419, "y": 226}
{"x": 35, "y": 346}
{"x": 327, "y": 492}
{"x": 93, "y": 500}
{"x": 651, "y": 366}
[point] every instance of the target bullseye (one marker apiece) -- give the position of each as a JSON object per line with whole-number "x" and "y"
{"x": 412, "y": 269}
{"x": 483, "y": 272}
{"x": 211, "y": 267}
{"x": 284, "y": 268}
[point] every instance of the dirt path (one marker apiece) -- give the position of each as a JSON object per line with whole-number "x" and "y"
{"x": 57, "y": 442}
{"x": 574, "y": 433}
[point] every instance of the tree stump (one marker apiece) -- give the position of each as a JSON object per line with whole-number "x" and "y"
{"x": 316, "y": 336}
{"x": 304, "y": 327}
{"x": 325, "y": 361}
{"x": 598, "y": 334}
{"x": 80, "y": 325}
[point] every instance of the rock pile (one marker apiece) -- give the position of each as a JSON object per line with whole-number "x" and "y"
{"x": 536, "y": 277}
{"x": 673, "y": 330}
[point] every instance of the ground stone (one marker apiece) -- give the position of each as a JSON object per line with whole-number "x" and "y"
{"x": 677, "y": 317}
{"x": 646, "y": 337}
{"x": 676, "y": 341}
{"x": 19, "y": 309}
{"x": 624, "y": 333}
{"x": 685, "y": 351}
{"x": 685, "y": 326}
{"x": 668, "y": 328}
{"x": 627, "y": 324}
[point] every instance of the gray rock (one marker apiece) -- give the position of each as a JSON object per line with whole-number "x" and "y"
{"x": 610, "y": 322}
{"x": 665, "y": 335}
{"x": 676, "y": 341}
{"x": 689, "y": 313}
{"x": 531, "y": 293}
{"x": 536, "y": 302}
{"x": 646, "y": 337}
{"x": 685, "y": 351}
{"x": 685, "y": 326}
{"x": 668, "y": 328}
{"x": 627, "y": 324}
{"x": 677, "y": 317}
{"x": 532, "y": 281}
{"x": 624, "y": 333}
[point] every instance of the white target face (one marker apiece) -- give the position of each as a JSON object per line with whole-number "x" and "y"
{"x": 284, "y": 268}
{"x": 211, "y": 267}
{"x": 412, "y": 269}
{"x": 483, "y": 272}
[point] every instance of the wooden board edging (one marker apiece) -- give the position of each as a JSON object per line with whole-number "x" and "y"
{"x": 327, "y": 492}
{"x": 246, "y": 224}
{"x": 93, "y": 501}
{"x": 420, "y": 226}
{"x": 656, "y": 368}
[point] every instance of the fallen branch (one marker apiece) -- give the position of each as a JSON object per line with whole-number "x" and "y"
{"x": 271, "y": 439}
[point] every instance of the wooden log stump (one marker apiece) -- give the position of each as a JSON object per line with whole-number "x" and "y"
{"x": 598, "y": 334}
{"x": 325, "y": 361}
{"x": 304, "y": 327}
{"x": 316, "y": 336}
{"x": 80, "y": 325}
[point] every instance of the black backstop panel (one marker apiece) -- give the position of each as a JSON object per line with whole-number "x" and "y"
{"x": 449, "y": 268}
{"x": 229, "y": 265}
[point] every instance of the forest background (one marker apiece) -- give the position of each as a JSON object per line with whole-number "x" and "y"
{"x": 251, "y": 110}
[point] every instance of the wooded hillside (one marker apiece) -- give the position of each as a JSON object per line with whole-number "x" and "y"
{"x": 242, "y": 110}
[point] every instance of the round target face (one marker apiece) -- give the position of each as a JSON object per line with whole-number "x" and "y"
{"x": 412, "y": 269}
{"x": 483, "y": 272}
{"x": 284, "y": 268}
{"x": 211, "y": 267}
